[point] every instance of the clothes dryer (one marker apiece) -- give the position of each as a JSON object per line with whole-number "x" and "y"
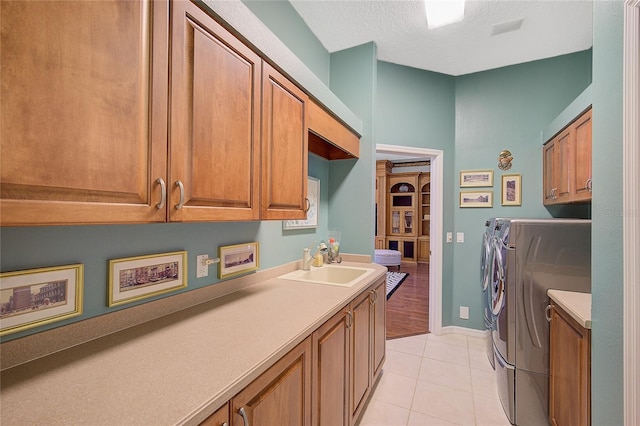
{"x": 530, "y": 257}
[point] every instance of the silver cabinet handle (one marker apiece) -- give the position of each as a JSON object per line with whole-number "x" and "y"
{"x": 243, "y": 414}
{"x": 589, "y": 184}
{"x": 349, "y": 319}
{"x": 225, "y": 424}
{"x": 547, "y": 313}
{"x": 181, "y": 202}
{"x": 163, "y": 193}
{"x": 308, "y": 205}
{"x": 373, "y": 298}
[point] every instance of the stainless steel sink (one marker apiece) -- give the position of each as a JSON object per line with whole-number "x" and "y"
{"x": 344, "y": 276}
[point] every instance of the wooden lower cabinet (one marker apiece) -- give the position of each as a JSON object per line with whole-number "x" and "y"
{"x": 219, "y": 418}
{"x": 331, "y": 354}
{"x": 378, "y": 327}
{"x": 570, "y": 371}
{"x": 280, "y": 396}
{"x": 360, "y": 380}
{"x": 348, "y": 353}
{"x": 325, "y": 380}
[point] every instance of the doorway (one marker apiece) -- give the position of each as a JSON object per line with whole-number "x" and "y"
{"x": 435, "y": 242}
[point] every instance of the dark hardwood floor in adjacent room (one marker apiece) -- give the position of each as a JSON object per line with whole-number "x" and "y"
{"x": 408, "y": 306}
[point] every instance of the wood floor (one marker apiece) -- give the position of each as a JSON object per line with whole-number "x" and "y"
{"x": 408, "y": 306}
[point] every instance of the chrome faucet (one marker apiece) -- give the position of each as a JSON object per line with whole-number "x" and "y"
{"x": 306, "y": 259}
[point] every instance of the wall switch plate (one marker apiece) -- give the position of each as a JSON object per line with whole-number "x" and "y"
{"x": 460, "y": 237}
{"x": 202, "y": 269}
{"x": 464, "y": 312}
{"x": 449, "y": 237}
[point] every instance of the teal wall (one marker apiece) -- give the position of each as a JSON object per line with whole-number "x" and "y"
{"x": 353, "y": 79}
{"x": 607, "y": 214}
{"x": 506, "y": 108}
{"x": 416, "y": 108}
{"x": 283, "y": 20}
{"x": 35, "y": 247}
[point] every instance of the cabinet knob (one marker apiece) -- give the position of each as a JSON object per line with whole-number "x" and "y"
{"x": 181, "y": 201}
{"x": 163, "y": 193}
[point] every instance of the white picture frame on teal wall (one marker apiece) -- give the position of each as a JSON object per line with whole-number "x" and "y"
{"x": 476, "y": 178}
{"x": 476, "y": 198}
{"x": 313, "y": 197}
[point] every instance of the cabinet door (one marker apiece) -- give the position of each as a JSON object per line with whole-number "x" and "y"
{"x": 569, "y": 372}
{"x": 215, "y": 121}
{"x": 281, "y": 395}
{"x": 378, "y": 327}
{"x": 219, "y": 418}
{"x": 424, "y": 251}
{"x": 330, "y": 378}
{"x": 563, "y": 165}
{"x": 582, "y": 158}
{"x": 84, "y": 115}
{"x": 360, "y": 354}
{"x": 284, "y": 148}
{"x": 549, "y": 173}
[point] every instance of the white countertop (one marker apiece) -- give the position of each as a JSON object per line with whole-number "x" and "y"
{"x": 174, "y": 369}
{"x": 577, "y": 305}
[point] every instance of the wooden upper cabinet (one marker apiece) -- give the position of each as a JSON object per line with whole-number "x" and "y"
{"x": 567, "y": 164}
{"x": 284, "y": 147}
{"x": 83, "y": 96}
{"x": 215, "y": 121}
{"x": 582, "y": 170}
{"x": 328, "y": 137}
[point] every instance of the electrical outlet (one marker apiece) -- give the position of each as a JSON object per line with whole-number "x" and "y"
{"x": 464, "y": 312}
{"x": 449, "y": 237}
{"x": 460, "y": 237}
{"x": 202, "y": 269}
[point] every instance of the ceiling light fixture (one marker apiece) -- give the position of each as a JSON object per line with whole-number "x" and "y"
{"x": 443, "y": 12}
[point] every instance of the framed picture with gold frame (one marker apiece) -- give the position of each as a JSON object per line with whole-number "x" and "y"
{"x": 140, "y": 277}
{"x": 238, "y": 259}
{"x": 512, "y": 190}
{"x": 35, "y": 297}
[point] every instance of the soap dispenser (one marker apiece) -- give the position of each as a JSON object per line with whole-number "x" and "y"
{"x": 306, "y": 259}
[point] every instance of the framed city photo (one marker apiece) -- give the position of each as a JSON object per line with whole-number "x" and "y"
{"x": 140, "y": 277}
{"x": 472, "y": 178}
{"x": 313, "y": 199}
{"x": 238, "y": 259}
{"x": 511, "y": 190}
{"x": 36, "y": 297}
{"x": 476, "y": 198}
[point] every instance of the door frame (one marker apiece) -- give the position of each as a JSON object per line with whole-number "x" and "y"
{"x": 631, "y": 209}
{"x": 435, "y": 241}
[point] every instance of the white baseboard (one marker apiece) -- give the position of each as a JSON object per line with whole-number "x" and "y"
{"x": 469, "y": 332}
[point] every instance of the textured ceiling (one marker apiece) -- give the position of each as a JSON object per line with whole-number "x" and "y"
{"x": 399, "y": 29}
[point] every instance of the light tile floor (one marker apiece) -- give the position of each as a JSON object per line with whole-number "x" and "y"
{"x": 436, "y": 380}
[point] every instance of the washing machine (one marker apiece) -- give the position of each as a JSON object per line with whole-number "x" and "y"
{"x": 486, "y": 259}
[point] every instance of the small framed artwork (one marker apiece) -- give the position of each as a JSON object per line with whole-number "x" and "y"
{"x": 238, "y": 259}
{"x": 313, "y": 200}
{"x": 36, "y": 297}
{"x": 476, "y": 198}
{"x": 512, "y": 190}
{"x": 140, "y": 277}
{"x": 471, "y": 178}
